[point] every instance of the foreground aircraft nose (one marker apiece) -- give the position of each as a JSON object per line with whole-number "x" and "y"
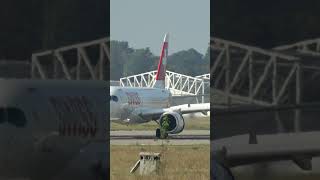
{"x": 114, "y": 109}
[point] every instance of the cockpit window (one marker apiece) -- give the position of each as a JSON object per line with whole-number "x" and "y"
{"x": 114, "y": 98}
{"x": 16, "y": 117}
{"x": 13, "y": 116}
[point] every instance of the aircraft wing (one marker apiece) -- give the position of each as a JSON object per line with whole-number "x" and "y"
{"x": 236, "y": 151}
{"x": 115, "y": 119}
{"x": 151, "y": 113}
{"x": 191, "y": 108}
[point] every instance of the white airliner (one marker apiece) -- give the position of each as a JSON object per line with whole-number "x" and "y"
{"x": 139, "y": 105}
{"x": 53, "y": 129}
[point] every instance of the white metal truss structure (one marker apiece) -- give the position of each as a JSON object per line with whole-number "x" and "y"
{"x": 248, "y": 73}
{"x": 178, "y": 84}
{"x": 311, "y": 47}
{"x": 263, "y": 77}
{"x": 139, "y": 80}
{"x": 204, "y": 76}
{"x": 206, "y": 94}
{"x": 87, "y": 60}
{"x": 309, "y": 50}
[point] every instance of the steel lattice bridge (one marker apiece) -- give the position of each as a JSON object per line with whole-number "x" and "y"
{"x": 204, "y": 76}
{"x": 179, "y": 84}
{"x": 242, "y": 73}
{"x": 79, "y": 61}
{"x": 89, "y": 60}
{"x": 275, "y": 77}
{"x": 311, "y": 47}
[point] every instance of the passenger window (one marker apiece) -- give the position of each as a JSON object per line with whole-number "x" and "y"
{"x": 2, "y": 116}
{"x": 16, "y": 117}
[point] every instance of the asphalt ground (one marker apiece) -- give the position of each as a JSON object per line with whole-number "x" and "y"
{"x": 187, "y": 137}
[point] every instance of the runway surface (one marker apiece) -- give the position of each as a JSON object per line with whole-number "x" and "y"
{"x": 187, "y": 137}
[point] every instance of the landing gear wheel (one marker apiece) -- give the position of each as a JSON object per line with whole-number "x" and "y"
{"x": 165, "y": 136}
{"x": 158, "y": 133}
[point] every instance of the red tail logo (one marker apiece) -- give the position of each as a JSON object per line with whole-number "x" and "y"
{"x": 161, "y": 72}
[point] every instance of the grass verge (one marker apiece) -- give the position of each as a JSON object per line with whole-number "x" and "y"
{"x": 177, "y": 162}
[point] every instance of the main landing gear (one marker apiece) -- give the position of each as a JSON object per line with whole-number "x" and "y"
{"x": 161, "y": 136}
{"x": 158, "y": 133}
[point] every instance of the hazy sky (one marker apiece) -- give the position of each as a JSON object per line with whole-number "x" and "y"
{"x": 143, "y": 23}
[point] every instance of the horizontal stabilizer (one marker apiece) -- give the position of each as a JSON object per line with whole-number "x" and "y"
{"x": 271, "y": 148}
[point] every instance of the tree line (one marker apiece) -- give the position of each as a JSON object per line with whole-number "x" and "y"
{"x": 126, "y": 61}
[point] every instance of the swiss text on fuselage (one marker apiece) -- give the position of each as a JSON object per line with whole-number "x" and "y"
{"x": 74, "y": 116}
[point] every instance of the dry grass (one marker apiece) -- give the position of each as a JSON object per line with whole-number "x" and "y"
{"x": 177, "y": 162}
{"x": 272, "y": 177}
{"x": 195, "y": 124}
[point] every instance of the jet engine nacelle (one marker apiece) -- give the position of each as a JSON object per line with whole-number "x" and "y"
{"x": 175, "y": 120}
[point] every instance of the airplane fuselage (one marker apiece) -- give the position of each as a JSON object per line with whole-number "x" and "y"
{"x": 139, "y": 105}
{"x": 44, "y": 124}
{"x": 126, "y": 102}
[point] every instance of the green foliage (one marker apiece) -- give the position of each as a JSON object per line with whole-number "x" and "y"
{"x": 164, "y": 127}
{"x": 119, "y": 55}
{"x": 139, "y": 61}
{"x": 187, "y": 62}
{"x": 126, "y": 61}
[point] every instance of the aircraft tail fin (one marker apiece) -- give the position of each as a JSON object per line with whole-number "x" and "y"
{"x": 161, "y": 71}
